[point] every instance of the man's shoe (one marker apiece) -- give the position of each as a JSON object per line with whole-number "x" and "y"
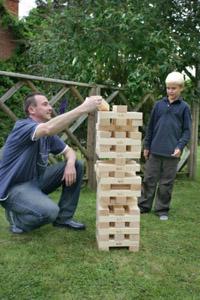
{"x": 164, "y": 218}
{"x": 70, "y": 224}
{"x": 16, "y": 230}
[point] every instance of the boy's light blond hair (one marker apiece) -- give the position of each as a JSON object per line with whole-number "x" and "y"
{"x": 175, "y": 77}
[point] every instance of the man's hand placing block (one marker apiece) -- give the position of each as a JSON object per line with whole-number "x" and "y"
{"x": 104, "y": 106}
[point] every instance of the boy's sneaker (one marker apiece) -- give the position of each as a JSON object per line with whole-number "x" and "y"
{"x": 13, "y": 227}
{"x": 164, "y": 218}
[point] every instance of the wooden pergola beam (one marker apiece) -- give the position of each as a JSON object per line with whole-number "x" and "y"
{"x": 52, "y": 80}
{"x": 32, "y": 86}
{"x": 11, "y": 91}
{"x": 76, "y": 94}
{"x": 59, "y": 95}
{"x": 91, "y": 143}
{"x": 8, "y": 111}
{"x": 145, "y": 99}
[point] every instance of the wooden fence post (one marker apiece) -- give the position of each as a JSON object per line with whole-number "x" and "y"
{"x": 91, "y": 143}
{"x": 195, "y": 127}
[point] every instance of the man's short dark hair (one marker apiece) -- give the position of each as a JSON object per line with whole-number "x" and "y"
{"x": 30, "y": 100}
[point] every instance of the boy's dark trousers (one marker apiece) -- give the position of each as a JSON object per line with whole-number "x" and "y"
{"x": 159, "y": 176}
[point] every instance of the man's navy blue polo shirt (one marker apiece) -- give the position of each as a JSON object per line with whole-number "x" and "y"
{"x": 169, "y": 127}
{"x": 25, "y": 158}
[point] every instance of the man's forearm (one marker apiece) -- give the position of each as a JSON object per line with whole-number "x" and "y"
{"x": 59, "y": 123}
{"x": 70, "y": 156}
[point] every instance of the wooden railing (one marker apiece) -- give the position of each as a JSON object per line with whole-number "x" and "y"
{"x": 72, "y": 87}
{"x": 109, "y": 93}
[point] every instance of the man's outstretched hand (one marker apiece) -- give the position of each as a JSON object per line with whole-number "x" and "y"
{"x": 91, "y": 103}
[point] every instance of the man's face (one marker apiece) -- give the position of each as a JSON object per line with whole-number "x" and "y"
{"x": 173, "y": 91}
{"x": 42, "y": 111}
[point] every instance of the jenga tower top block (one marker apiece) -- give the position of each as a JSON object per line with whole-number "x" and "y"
{"x": 104, "y": 106}
{"x": 120, "y": 108}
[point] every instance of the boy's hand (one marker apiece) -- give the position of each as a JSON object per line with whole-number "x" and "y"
{"x": 177, "y": 153}
{"x": 146, "y": 154}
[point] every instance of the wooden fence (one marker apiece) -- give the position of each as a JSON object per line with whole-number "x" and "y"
{"x": 67, "y": 87}
{"x": 109, "y": 93}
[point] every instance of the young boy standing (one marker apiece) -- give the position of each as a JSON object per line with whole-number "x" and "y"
{"x": 167, "y": 134}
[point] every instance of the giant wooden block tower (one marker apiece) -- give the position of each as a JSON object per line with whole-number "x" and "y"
{"x": 118, "y": 143}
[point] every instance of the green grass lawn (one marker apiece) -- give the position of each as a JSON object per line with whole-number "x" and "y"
{"x": 52, "y": 263}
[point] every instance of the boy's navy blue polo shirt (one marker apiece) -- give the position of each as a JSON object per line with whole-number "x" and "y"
{"x": 169, "y": 127}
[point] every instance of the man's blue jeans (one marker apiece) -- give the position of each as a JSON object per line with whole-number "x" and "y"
{"x": 29, "y": 202}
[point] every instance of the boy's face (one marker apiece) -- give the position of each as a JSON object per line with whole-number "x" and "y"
{"x": 173, "y": 91}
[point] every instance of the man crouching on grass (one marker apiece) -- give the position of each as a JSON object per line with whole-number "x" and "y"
{"x": 25, "y": 178}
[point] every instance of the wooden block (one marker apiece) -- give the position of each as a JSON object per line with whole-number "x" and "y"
{"x": 103, "y": 174}
{"x": 119, "y": 225}
{"x": 115, "y": 141}
{"x": 120, "y": 108}
{"x": 121, "y": 201}
{"x": 119, "y": 237}
{"x": 102, "y": 225}
{"x": 137, "y": 123}
{"x": 102, "y": 236}
{"x": 111, "y": 210}
{"x": 114, "y": 154}
{"x": 135, "y": 180}
{"x": 104, "y": 106}
{"x": 103, "y": 121}
{"x": 131, "y": 128}
{"x": 119, "y": 134}
{"x": 103, "y": 134}
{"x": 119, "y": 174}
{"x": 134, "y": 135}
{"x": 104, "y": 202}
{"x": 115, "y": 218}
{"x": 102, "y": 211}
{"x": 119, "y": 210}
{"x": 134, "y": 116}
{"x": 112, "y": 243}
{"x": 119, "y": 122}
{"x": 104, "y": 148}
{"x": 119, "y": 149}
{"x": 114, "y": 227}
{"x": 119, "y": 164}
{"x": 118, "y": 193}
{"x": 133, "y": 232}
{"x": 111, "y": 127}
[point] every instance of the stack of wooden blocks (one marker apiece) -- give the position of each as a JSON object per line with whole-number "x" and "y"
{"x": 118, "y": 143}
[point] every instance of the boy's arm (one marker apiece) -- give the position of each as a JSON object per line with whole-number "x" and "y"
{"x": 59, "y": 123}
{"x": 187, "y": 123}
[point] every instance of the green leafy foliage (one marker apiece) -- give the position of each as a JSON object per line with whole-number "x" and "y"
{"x": 134, "y": 44}
{"x": 126, "y": 43}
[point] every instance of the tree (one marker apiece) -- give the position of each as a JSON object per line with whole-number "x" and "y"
{"x": 116, "y": 42}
